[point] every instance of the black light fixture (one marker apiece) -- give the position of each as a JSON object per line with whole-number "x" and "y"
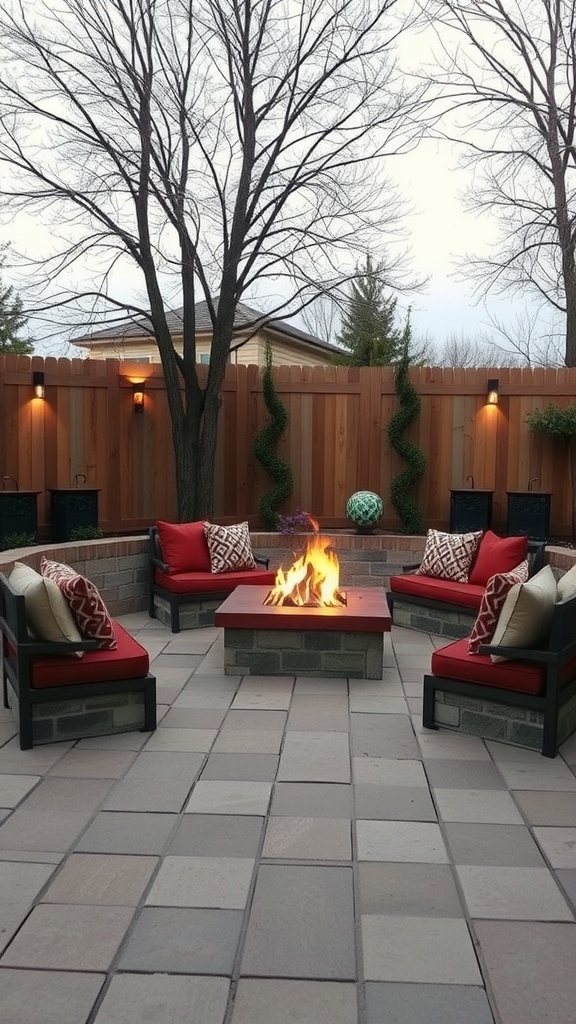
{"x": 138, "y": 396}
{"x": 492, "y": 396}
{"x": 38, "y": 384}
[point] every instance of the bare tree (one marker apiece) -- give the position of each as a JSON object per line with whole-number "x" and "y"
{"x": 322, "y": 316}
{"x": 211, "y": 143}
{"x": 469, "y": 351}
{"x": 507, "y": 84}
{"x": 524, "y": 341}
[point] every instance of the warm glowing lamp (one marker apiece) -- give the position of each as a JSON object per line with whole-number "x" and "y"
{"x": 38, "y": 384}
{"x": 492, "y": 396}
{"x": 138, "y": 396}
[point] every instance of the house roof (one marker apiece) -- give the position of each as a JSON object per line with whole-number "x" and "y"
{"x": 246, "y": 318}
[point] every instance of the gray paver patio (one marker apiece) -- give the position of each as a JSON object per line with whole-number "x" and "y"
{"x": 286, "y": 850}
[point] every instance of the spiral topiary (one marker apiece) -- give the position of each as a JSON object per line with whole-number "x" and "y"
{"x": 402, "y": 485}
{"x": 264, "y": 449}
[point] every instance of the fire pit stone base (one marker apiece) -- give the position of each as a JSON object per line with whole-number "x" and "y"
{"x": 281, "y": 652}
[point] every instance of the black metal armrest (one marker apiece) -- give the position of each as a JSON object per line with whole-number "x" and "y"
{"x": 35, "y": 648}
{"x": 519, "y": 653}
{"x": 411, "y": 567}
{"x": 158, "y": 564}
{"x": 155, "y": 554}
{"x": 262, "y": 561}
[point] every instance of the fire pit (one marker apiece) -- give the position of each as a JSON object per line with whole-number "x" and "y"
{"x": 305, "y": 625}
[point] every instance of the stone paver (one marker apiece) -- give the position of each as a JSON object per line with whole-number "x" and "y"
{"x": 217, "y": 835}
{"x": 220, "y": 797}
{"x": 408, "y": 841}
{"x": 183, "y": 940}
{"x": 102, "y": 879}
{"x": 125, "y": 832}
{"x": 420, "y": 890}
{"x": 60, "y": 937}
{"x": 301, "y": 924}
{"x": 132, "y": 998}
{"x": 220, "y": 882}
{"x": 519, "y": 894}
{"x": 315, "y": 757}
{"x": 294, "y": 1002}
{"x": 47, "y": 997}
{"x": 429, "y": 1004}
{"x": 286, "y": 850}
{"x": 558, "y": 845}
{"x": 308, "y": 839}
{"x": 530, "y": 968}
{"x": 418, "y": 949}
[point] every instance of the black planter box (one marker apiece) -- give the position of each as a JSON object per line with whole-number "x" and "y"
{"x": 18, "y": 514}
{"x": 470, "y": 510}
{"x": 528, "y": 514}
{"x": 72, "y": 507}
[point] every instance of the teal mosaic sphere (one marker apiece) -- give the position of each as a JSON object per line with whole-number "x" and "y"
{"x": 364, "y": 508}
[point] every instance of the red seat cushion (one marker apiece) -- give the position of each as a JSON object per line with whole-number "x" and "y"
{"x": 438, "y": 590}
{"x": 214, "y": 583}
{"x": 128, "y": 661}
{"x": 184, "y": 547}
{"x": 497, "y": 555}
{"x": 454, "y": 662}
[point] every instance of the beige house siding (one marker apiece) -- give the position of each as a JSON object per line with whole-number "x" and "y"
{"x": 287, "y": 354}
{"x": 250, "y": 353}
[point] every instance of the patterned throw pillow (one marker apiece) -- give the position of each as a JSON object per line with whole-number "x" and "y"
{"x": 85, "y": 602}
{"x": 527, "y": 613}
{"x": 448, "y": 556}
{"x": 492, "y": 602}
{"x": 230, "y": 547}
{"x": 48, "y": 614}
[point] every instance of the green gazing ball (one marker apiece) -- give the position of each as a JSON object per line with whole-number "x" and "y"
{"x": 364, "y": 508}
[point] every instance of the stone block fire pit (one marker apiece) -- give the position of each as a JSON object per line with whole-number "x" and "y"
{"x": 344, "y": 641}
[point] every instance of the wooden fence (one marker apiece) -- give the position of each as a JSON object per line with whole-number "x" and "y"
{"x": 336, "y": 441}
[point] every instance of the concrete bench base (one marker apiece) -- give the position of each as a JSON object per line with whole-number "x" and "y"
{"x": 447, "y": 621}
{"x": 192, "y": 616}
{"x": 80, "y": 718}
{"x": 280, "y": 652}
{"x": 519, "y": 726}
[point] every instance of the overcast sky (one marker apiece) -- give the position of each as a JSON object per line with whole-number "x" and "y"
{"x": 438, "y": 230}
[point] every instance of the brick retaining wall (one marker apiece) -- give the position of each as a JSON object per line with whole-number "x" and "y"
{"x": 119, "y": 565}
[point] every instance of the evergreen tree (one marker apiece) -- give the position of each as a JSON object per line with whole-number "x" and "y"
{"x": 12, "y": 320}
{"x": 368, "y": 330}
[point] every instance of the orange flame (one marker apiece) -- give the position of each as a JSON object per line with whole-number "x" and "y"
{"x": 313, "y": 579}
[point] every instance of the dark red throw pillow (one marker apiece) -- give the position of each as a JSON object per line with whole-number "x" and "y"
{"x": 497, "y": 555}
{"x": 184, "y": 547}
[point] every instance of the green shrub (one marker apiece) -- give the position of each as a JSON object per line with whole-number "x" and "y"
{"x": 265, "y": 444}
{"x": 403, "y": 485}
{"x": 559, "y": 422}
{"x": 86, "y": 533}
{"x": 17, "y": 540}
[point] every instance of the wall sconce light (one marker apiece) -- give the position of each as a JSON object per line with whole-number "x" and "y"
{"x": 138, "y": 396}
{"x": 38, "y": 384}
{"x": 492, "y": 396}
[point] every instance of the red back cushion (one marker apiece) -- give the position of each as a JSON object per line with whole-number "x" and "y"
{"x": 184, "y": 547}
{"x": 497, "y": 555}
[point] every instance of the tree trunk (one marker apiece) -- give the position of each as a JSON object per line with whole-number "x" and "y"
{"x": 570, "y": 286}
{"x": 572, "y": 476}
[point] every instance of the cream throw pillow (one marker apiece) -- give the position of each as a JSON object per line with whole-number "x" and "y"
{"x": 527, "y": 612}
{"x": 567, "y": 584}
{"x": 48, "y": 614}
